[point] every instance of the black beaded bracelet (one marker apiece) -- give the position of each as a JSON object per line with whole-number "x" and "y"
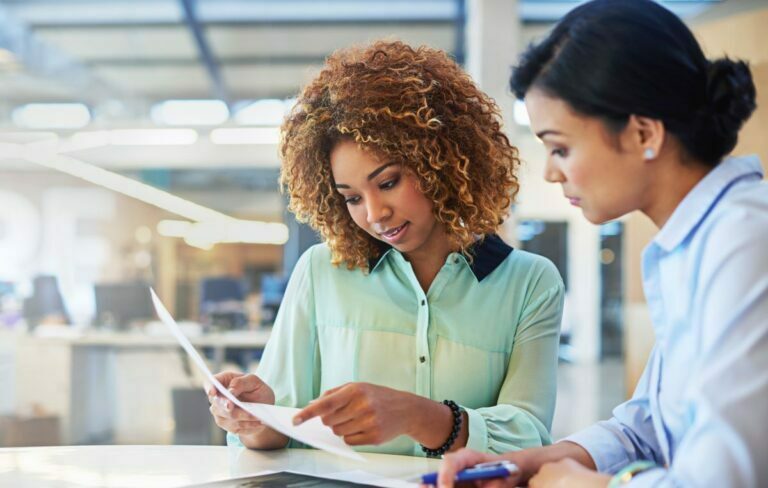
{"x": 457, "y": 420}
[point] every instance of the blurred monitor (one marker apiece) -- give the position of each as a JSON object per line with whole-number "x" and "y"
{"x": 120, "y": 304}
{"x": 222, "y": 302}
{"x": 46, "y": 303}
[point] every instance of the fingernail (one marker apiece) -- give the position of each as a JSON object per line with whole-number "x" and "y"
{"x": 298, "y": 420}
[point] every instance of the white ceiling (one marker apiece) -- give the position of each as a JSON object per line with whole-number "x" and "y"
{"x": 121, "y": 56}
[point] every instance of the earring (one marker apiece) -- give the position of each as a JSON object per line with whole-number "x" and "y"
{"x": 649, "y": 153}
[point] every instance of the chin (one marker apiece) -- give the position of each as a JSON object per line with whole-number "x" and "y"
{"x": 597, "y": 218}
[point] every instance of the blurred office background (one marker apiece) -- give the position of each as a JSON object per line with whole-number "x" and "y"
{"x": 138, "y": 148}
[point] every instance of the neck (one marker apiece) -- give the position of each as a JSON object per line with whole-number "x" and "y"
{"x": 672, "y": 183}
{"x": 429, "y": 258}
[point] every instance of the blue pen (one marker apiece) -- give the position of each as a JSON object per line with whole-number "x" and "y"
{"x": 483, "y": 471}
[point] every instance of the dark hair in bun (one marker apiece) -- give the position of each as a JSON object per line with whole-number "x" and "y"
{"x": 614, "y": 58}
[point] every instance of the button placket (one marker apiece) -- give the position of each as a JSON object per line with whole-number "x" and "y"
{"x": 422, "y": 348}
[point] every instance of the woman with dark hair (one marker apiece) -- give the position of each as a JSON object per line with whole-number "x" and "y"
{"x": 413, "y": 329}
{"x": 634, "y": 117}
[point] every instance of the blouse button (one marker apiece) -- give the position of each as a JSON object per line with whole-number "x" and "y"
{"x": 422, "y": 359}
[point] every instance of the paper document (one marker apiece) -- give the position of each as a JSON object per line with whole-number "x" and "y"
{"x": 312, "y": 432}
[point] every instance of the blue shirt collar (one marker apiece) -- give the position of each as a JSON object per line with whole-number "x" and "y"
{"x": 703, "y": 197}
{"x": 487, "y": 254}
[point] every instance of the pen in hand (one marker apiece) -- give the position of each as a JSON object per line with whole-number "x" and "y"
{"x": 482, "y": 471}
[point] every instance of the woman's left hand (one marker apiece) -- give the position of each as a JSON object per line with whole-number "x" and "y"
{"x": 568, "y": 473}
{"x": 363, "y": 413}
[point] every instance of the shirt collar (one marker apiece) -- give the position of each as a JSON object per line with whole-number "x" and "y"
{"x": 703, "y": 197}
{"x": 487, "y": 254}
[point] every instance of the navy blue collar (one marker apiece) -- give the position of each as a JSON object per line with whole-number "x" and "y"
{"x": 487, "y": 254}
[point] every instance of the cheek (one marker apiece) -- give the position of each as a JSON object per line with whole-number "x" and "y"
{"x": 578, "y": 173}
{"x": 412, "y": 201}
{"x": 357, "y": 212}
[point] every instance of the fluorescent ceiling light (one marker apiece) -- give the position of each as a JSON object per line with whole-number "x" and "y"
{"x": 190, "y": 112}
{"x": 211, "y": 227}
{"x": 521, "y": 113}
{"x": 173, "y": 228}
{"x": 52, "y": 116}
{"x": 152, "y": 137}
{"x": 132, "y": 137}
{"x": 243, "y": 135}
{"x": 265, "y": 112}
{"x": 28, "y": 137}
{"x": 122, "y": 184}
{"x": 206, "y": 234}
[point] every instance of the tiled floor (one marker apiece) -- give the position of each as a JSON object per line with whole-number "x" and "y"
{"x": 586, "y": 393}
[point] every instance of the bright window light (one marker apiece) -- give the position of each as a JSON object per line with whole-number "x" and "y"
{"x": 264, "y": 112}
{"x": 521, "y": 113}
{"x": 243, "y": 135}
{"x": 52, "y": 116}
{"x": 190, "y": 112}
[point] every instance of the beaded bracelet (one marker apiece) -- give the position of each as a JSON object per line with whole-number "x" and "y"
{"x": 457, "y": 420}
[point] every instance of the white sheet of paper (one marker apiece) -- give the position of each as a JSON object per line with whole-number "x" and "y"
{"x": 311, "y": 432}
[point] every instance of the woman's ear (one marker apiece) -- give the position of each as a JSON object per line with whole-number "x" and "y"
{"x": 646, "y": 136}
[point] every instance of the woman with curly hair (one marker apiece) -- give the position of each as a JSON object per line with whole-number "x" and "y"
{"x": 413, "y": 329}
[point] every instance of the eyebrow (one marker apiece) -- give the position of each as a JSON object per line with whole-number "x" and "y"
{"x": 371, "y": 176}
{"x": 548, "y": 132}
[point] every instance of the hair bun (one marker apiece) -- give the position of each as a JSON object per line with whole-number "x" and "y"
{"x": 730, "y": 100}
{"x": 730, "y": 94}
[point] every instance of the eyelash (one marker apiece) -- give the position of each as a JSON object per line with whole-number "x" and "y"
{"x": 559, "y": 152}
{"x": 387, "y": 185}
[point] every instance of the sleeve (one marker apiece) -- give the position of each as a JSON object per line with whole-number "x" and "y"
{"x": 291, "y": 360}
{"x": 523, "y": 414}
{"x": 726, "y": 443}
{"x": 628, "y": 436}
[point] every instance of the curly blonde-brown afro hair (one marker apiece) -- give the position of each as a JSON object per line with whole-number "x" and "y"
{"x": 414, "y": 106}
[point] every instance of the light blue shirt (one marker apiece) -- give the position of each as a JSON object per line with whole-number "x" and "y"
{"x": 700, "y": 410}
{"x": 484, "y": 335}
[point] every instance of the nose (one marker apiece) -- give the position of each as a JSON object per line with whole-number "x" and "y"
{"x": 552, "y": 173}
{"x": 377, "y": 210}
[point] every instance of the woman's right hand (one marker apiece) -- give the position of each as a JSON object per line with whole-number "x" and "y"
{"x": 246, "y": 387}
{"x": 529, "y": 461}
{"x": 467, "y": 458}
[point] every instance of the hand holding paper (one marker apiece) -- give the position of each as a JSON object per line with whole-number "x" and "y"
{"x": 247, "y": 388}
{"x": 312, "y": 432}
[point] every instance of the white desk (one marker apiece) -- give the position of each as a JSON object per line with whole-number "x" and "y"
{"x": 168, "y": 466}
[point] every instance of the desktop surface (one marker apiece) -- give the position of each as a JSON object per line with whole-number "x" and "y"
{"x": 174, "y": 466}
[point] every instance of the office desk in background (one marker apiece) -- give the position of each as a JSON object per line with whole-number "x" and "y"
{"x": 172, "y": 466}
{"x": 113, "y": 387}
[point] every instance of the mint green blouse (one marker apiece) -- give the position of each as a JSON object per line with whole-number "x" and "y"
{"x": 485, "y": 335}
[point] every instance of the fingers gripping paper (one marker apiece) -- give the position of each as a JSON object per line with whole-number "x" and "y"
{"x": 311, "y": 432}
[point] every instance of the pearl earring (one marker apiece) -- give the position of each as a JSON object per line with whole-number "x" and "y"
{"x": 649, "y": 153}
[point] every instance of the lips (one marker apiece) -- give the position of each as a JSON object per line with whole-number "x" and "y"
{"x": 390, "y": 233}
